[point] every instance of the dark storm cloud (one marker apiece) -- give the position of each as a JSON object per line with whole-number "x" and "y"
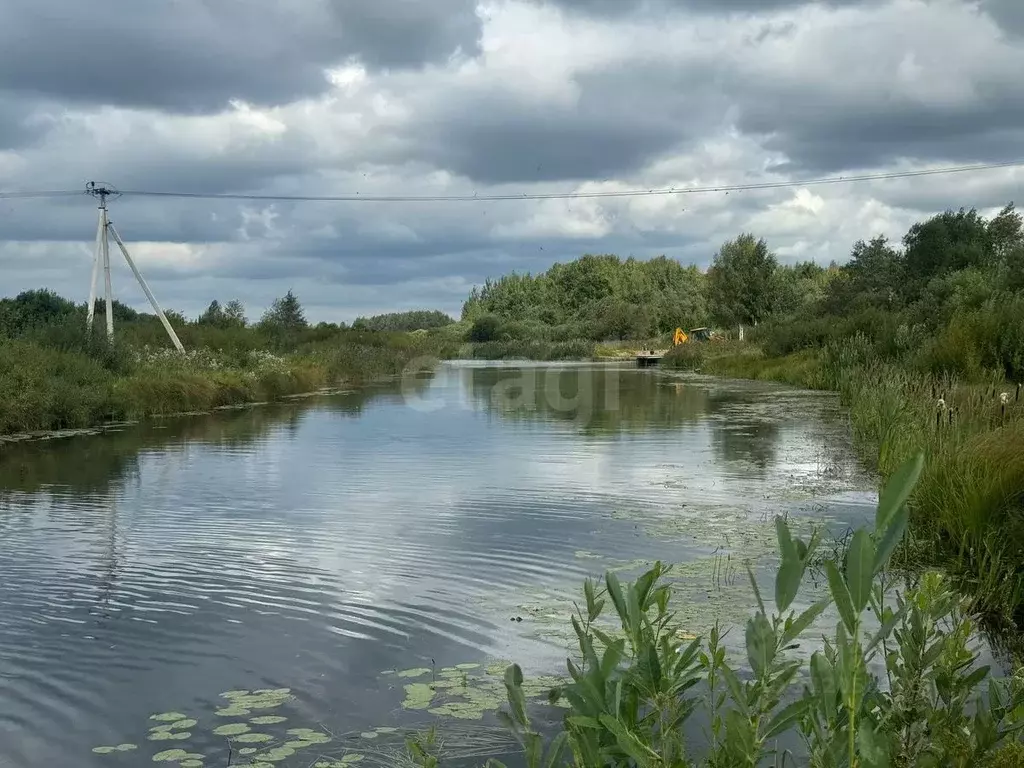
{"x": 193, "y": 56}
{"x": 822, "y": 136}
{"x": 624, "y": 118}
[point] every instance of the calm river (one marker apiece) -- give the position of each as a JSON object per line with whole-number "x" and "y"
{"x": 323, "y": 562}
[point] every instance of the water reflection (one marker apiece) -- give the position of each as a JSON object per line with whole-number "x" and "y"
{"x": 314, "y": 545}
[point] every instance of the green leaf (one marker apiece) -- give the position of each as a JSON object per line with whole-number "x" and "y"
{"x": 615, "y": 593}
{"x": 584, "y": 722}
{"x": 629, "y": 743}
{"x": 896, "y": 492}
{"x": 891, "y": 538}
{"x": 555, "y": 750}
{"x": 653, "y": 666}
{"x": 785, "y": 718}
{"x": 860, "y": 561}
{"x": 796, "y": 627}
{"x": 825, "y": 688}
{"x": 841, "y": 595}
{"x": 873, "y": 746}
{"x": 740, "y": 738}
{"x": 760, "y": 644}
{"x": 791, "y": 569}
{"x": 735, "y": 689}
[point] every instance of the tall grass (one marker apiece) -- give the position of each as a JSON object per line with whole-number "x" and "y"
{"x": 64, "y": 383}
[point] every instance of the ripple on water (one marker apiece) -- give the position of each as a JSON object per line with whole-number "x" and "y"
{"x": 313, "y": 546}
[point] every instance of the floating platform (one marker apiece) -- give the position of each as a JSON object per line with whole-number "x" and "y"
{"x": 648, "y": 359}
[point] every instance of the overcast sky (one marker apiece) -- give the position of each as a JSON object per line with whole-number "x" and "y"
{"x": 441, "y": 97}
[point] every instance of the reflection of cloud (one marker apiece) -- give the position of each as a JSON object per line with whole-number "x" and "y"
{"x": 312, "y": 546}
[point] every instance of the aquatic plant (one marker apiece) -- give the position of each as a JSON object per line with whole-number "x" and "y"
{"x": 896, "y": 684}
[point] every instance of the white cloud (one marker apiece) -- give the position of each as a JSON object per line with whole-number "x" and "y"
{"x": 553, "y": 101}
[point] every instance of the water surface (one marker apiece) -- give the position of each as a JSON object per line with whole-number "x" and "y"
{"x": 318, "y": 545}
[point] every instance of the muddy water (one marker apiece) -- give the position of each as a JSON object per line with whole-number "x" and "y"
{"x": 364, "y": 563}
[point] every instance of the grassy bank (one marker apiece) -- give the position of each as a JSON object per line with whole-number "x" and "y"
{"x": 54, "y": 375}
{"x": 968, "y": 509}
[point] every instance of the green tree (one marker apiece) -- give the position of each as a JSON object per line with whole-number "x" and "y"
{"x": 234, "y": 312}
{"x": 214, "y": 315}
{"x": 484, "y": 328}
{"x": 945, "y": 243}
{"x": 285, "y": 315}
{"x": 741, "y": 281}
{"x": 1006, "y": 232}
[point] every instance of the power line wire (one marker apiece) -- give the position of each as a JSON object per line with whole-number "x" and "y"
{"x": 358, "y": 198}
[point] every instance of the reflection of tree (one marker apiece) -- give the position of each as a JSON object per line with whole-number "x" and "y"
{"x": 601, "y": 400}
{"x": 392, "y": 391}
{"x": 752, "y": 441}
{"x": 92, "y": 463}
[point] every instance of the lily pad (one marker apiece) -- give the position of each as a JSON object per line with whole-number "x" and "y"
{"x": 191, "y": 764}
{"x": 253, "y": 738}
{"x": 418, "y": 696}
{"x": 170, "y": 717}
{"x": 232, "y": 711}
{"x": 267, "y": 720}
{"x": 231, "y": 729}
{"x": 170, "y": 756}
{"x": 417, "y": 672}
{"x": 248, "y": 751}
{"x": 368, "y": 734}
{"x": 277, "y": 754}
{"x": 467, "y": 666}
{"x": 103, "y": 750}
{"x": 126, "y": 747}
{"x": 182, "y": 725}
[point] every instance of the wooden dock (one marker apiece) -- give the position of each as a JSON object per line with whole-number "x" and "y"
{"x": 648, "y": 359}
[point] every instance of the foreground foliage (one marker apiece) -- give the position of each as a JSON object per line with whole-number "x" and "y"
{"x": 896, "y": 684}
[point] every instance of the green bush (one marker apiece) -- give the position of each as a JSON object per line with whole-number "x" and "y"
{"x": 484, "y": 329}
{"x": 685, "y": 357}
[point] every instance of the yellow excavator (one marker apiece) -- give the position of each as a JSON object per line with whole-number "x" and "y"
{"x": 697, "y": 334}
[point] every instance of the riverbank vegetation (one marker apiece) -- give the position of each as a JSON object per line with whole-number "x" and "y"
{"x": 897, "y": 684}
{"x": 925, "y": 344}
{"x": 56, "y": 375}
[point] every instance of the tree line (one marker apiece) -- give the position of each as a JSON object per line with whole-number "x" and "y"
{"x": 956, "y": 263}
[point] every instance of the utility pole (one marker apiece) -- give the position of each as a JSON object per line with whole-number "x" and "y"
{"x": 104, "y": 231}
